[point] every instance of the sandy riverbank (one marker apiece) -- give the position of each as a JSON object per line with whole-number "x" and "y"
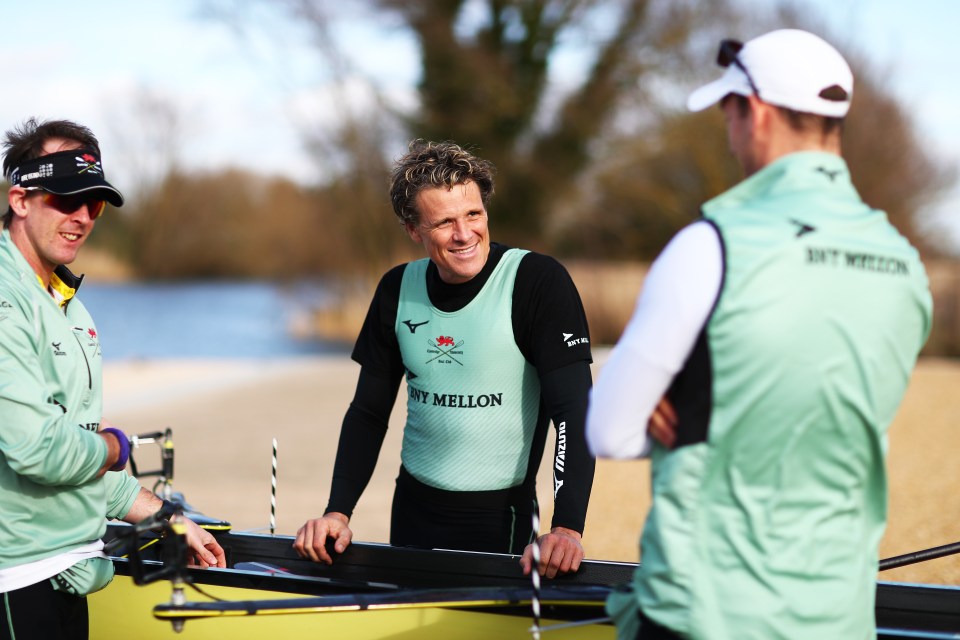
{"x": 224, "y": 415}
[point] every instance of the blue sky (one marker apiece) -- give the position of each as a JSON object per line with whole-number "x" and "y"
{"x": 242, "y": 100}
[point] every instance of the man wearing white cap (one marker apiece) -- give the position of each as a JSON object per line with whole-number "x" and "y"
{"x": 768, "y": 352}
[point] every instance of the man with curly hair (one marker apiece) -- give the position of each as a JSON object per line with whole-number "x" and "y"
{"x": 493, "y": 343}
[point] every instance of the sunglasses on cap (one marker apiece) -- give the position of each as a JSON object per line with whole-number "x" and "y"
{"x": 72, "y": 203}
{"x": 728, "y": 54}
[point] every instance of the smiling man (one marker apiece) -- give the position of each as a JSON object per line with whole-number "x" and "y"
{"x": 61, "y": 468}
{"x": 494, "y": 345}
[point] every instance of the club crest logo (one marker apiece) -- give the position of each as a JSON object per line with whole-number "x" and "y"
{"x": 88, "y": 163}
{"x": 90, "y": 336}
{"x": 445, "y": 350}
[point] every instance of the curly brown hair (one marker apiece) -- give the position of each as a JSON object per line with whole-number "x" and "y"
{"x": 428, "y": 165}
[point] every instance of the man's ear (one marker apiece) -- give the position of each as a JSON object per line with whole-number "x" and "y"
{"x": 413, "y": 231}
{"x": 760, "y": 111}
{"x": 17, "y": 199}
{"x": 766, "y": 122}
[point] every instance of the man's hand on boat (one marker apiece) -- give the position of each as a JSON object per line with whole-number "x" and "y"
{"x": 560, "y": 552}
{"x": 311, "y": 542}
{"x": 205, "y": 550}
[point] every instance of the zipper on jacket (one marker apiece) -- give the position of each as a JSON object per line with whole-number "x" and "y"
{"x": 86, "y": 360}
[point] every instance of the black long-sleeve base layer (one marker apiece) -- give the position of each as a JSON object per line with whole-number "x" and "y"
{"x": 546, "y": 306}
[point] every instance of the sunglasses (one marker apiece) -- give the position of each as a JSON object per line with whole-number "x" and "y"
{"x": 729, "y": 54}
{"x": 72, "y": 203}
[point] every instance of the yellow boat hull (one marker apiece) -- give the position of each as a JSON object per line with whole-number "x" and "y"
{"x": 124, "y": 609}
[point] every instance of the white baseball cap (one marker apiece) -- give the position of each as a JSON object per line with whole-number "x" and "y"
{"x": 787, "y": 68}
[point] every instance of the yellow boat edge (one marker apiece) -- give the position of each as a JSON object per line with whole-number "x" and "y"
{"x": 125, "y": 608}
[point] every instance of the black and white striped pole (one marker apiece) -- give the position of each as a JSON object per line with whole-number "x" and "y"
{"x": 273, "y": 491}
{"x": 535, "y": 576}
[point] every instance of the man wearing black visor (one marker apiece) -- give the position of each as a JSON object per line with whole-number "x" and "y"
{"x": 61, "y": 465}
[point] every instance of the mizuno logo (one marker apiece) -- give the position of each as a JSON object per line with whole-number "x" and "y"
{"x": 560, "y": 461}
{"x": 413, "y": 325}
{"x": 803, "y": 228}
{"x": 572, "y": 342}
{"x": 830, "y": 174}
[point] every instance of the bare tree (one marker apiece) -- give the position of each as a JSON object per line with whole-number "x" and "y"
{"x": 485, "y": 81}
{"x": 604, "y": 162}
{"x": 651, "y": 179}
{"x": 890, "y": 167}
{"x": 150, "y": 132}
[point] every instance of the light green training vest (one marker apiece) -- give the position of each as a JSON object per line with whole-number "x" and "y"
{"x": 770, "y": 528}
{"x": 472, "y": 398}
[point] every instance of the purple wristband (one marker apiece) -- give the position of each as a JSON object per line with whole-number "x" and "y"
{"x": 121, "y": 437}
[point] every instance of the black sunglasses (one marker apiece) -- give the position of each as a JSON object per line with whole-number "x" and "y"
{"x": 730, "y": 54}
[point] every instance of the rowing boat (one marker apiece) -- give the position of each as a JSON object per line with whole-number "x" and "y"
{"x": 378, "y": 591}
{"x": 371, "y": 591}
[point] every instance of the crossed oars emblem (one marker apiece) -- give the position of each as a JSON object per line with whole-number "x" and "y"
{"x": 444, "y": 352}
{"x": 88, "y": 162}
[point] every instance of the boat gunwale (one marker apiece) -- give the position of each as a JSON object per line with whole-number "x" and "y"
{"x": 900, "y": 607}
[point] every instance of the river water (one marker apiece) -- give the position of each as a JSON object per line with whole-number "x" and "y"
{"x": 205, "y": 319}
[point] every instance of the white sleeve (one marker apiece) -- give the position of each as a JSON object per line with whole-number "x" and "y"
{"x": 676, "y": 300}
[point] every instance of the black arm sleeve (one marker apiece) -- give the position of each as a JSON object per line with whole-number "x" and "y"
{"x": 361, "y": 437}
{"x": 549, "y": 323}
{"x": 376, "y": 348}
{"x": 565, "y": 392}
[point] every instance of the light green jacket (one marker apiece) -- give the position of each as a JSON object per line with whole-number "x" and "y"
{"x": 50, "y": 408}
